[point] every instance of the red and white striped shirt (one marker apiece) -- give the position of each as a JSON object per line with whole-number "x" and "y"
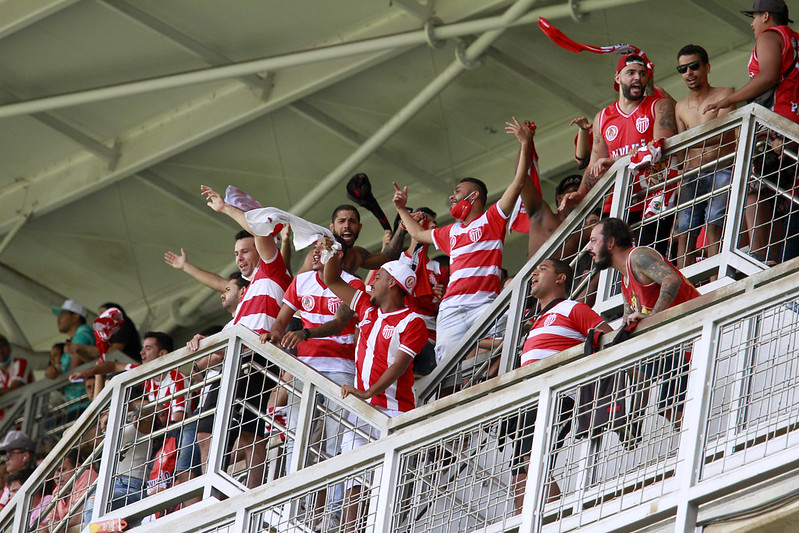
{"x": 317, "y": 304}
{"x": 475, "y": 252}
{"x": 156, "y": 390}
{"x": 382, "y": 336}
{"x": 564, "y": 325}
{"x": 17, "y": 370}
{"x": 260, "y": 304}
{"x": 426, "y": 306}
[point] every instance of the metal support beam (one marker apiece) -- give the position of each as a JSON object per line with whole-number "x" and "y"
{"x": 731, "y": 19}
{"x": 517, "y": 67}
{"x": 30, "y": 288}
{"x": 415, "y": 9}
{"x": 318, "y": 55}
{"x": 346, "y": 133}
{"x": 416, "y": 104}
{"x": 16, "y": 15}
{"x": 11, "y": 234}
{"x": 188, "y": 43}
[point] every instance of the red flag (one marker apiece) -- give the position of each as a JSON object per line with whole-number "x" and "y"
{"x": 105, "y": 326}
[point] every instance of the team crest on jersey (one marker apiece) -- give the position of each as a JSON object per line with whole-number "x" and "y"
{"x": 452, "y": 242}
{"x": 432, "y": 278}
{"x": 611, "y": 133}
{"x": 475, "y": 234}
{"x": 388, "y": 332}
{"x": 642, "y": 124}
{"x": 333, "y": 304}
{"x": 307, "y": 303}
{"x": 550, "y": 319}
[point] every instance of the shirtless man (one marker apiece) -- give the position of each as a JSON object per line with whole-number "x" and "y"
{"x": 346, "y": 223}
{"x": 693, "y": 66}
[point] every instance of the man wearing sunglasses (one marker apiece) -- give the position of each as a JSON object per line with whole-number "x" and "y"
{"x": 693, "y": 65}
{"x": 773, "y": 69}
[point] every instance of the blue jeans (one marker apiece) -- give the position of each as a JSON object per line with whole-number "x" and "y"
{"x": 710, "y": 211}
{"x": 127, "y": 490}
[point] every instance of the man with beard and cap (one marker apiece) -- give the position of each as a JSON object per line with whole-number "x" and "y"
{"x": 693, "y": 65}
{"x": 633, "y": 121}
{"x": 649, "y": 284}
{"x": 474, "y": 242}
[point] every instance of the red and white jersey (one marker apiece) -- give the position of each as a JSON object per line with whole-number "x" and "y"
{"x": 426, "y": 306}
{"x": 565, "y": 325}
{"x": 260, "y": 304}
{"x": 475, "y": 252}
{"x": 382, "y": 336}
{"x": 156, "y": 390}
{"x": 17, "y": 370}
{"x": 5, "y": 496}
{"x": 786, "y": 95}
{"x": 317, "y": 305}
{"x": 624, "y": 133}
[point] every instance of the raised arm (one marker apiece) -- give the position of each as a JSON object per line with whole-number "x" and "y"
{"x": 599, "y": 163}
{"x": 415, "y": 230}
{"x": 180, "y": 262}
{"x": 524, "y": 134}
{"x": 266, "y": 246}
{"x": 332, "y": 273}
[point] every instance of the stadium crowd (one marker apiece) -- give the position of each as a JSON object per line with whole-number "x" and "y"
{"x": 375, "y": 338}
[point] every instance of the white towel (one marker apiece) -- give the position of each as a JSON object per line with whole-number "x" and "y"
{"x": 264, "y": 222}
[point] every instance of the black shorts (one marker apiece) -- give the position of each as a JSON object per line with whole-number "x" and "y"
{"x": 520, "y": 429}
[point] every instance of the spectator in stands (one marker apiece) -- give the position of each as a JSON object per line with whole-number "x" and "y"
{"x": 346, "y": 223}
{"x": 155, "y": 345}
{"x": 474, "y": 243}
{"x": 326, "y": 342}
{"x": 390, "y": 336}
{"x": 560, "y": 324}
{"x": 618, "y": 132}
{"x": 126, "y": 340}
{"x": 773, "y": 76}
{"x": 694, "y": 67}
{"x": 14, "y": 371}
{"x": 543, "y": 220}
{"x": 81, "y": 478}
{"x": 61, "y": 362}
{"x": 80, "y": 344}
{"x": 18, "y": 451}
{"x": 161, "y": 470}
{"x": 426, "y": 300}
{"x": 40, "y": 499}
{"x": 649, "y": 284}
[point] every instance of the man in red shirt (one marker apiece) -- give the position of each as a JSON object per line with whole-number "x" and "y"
{"x": 560, "y": 324}
{"x": 629, "y": 123}
{"x": 390, "y": 336}
{"x": 650, "y": 284}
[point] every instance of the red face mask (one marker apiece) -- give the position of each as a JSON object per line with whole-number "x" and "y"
{"x": 461, "y": 210}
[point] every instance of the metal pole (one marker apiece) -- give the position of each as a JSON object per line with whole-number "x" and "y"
{"x": 305, "y": 57}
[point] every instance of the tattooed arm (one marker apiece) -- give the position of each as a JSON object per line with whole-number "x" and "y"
{"x": 665, "y": 123}
{"x": 648, "y": 266}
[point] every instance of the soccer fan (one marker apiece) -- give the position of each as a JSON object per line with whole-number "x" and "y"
{"x": 474, "y": 243}
{"x": 560, "y": 324}
{"x": 694, "y": 67}
{"x": 773, "y": 76}
{"x": 634, "y": 120}
{"x": 649, "y": 284}
{"x": 18, "y": 451}
{"x": 390, "y": 336}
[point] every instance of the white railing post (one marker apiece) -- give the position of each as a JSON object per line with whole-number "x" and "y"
{"x": 116, "y": 421}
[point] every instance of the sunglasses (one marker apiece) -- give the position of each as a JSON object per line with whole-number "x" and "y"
{"x": 693, "y": 65}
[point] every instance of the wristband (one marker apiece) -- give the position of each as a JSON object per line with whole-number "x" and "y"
{"x": 307, "y": 333}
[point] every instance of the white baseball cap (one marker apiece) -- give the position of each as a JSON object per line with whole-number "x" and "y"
{"x": 72, "y": 306}
{"x": 401, "y": 272}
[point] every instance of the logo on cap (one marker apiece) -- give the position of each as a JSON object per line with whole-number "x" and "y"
{"x": 410, "y": 281}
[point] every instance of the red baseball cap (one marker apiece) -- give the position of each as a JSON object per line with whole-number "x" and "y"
{"x": 632, "y": 59}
